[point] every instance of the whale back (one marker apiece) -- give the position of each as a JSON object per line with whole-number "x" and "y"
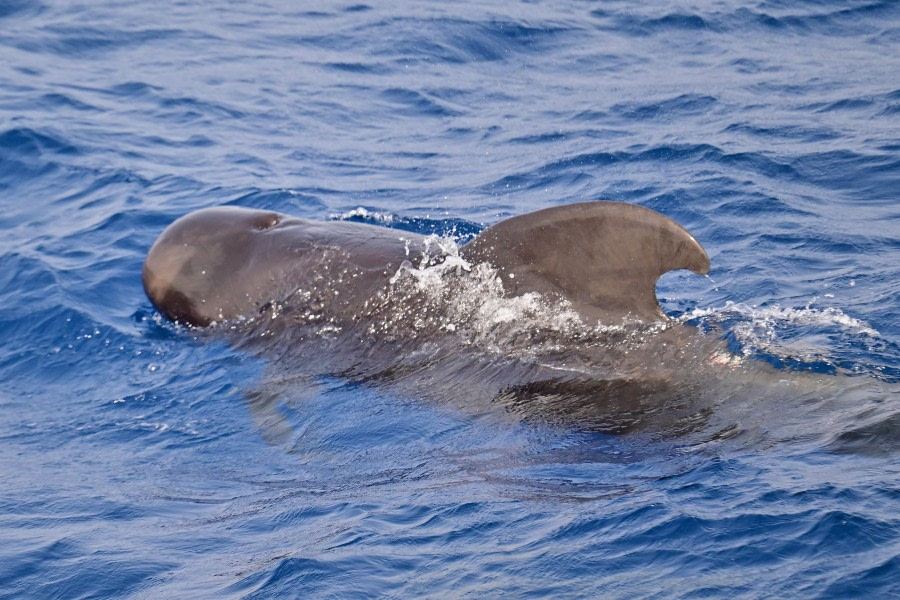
{"x": 603, "y": 257}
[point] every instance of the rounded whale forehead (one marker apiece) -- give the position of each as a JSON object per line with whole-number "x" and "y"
{"x": 205, "y": 266}
{"x": 222, "y": 236}
{"x": 222, "y": 220}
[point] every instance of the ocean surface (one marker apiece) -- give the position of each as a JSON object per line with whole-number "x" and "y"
{"x": 143, "y": 459}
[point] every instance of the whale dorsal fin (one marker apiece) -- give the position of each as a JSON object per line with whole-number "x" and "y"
{"x": 604, "y": 257}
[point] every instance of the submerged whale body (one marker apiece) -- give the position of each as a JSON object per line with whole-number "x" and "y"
{"x": 224, "y": 263}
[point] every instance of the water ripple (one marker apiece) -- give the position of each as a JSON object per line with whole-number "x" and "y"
{"x": 142, "y": 458}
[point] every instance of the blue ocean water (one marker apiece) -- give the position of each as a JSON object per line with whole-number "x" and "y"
{"x": 132, "y": 461}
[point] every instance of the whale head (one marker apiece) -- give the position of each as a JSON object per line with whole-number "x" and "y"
{"x": 218, "y": 263}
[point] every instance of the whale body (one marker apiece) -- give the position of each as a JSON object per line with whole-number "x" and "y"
{"x": 603, "y": 258}
{"x": 518, "y": 318}
{"x": 550, "y": 317}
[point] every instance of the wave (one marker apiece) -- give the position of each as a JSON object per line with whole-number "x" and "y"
{"x": 797, "y": 19}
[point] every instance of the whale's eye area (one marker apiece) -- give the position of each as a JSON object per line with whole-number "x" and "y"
{"x": 266, "y": 221}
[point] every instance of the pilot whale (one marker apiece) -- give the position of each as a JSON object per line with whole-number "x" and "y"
{"x": 389, "y": 309}
{"x": 318, "y": 299}
{"x": 225, "y": 263}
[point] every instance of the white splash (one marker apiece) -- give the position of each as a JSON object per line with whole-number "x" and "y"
{"x": 363, "y": 213}
{"x": 803, "y": 333}
{"x": 775, "y": 315}
{"x": 470, "y": 299}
